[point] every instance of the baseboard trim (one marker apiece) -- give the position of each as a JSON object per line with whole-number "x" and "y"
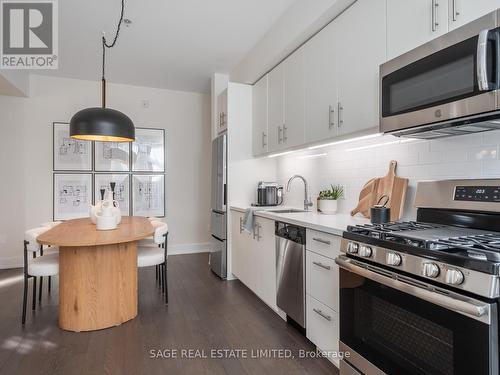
{"x": 191, "y": 248}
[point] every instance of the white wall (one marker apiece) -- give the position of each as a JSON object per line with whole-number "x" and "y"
{"x": 26, "y": 155}
{"x": 353, "y": 164}
{"x": 14, "y": 82}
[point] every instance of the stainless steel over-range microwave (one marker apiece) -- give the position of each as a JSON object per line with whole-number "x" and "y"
{"x": 447, "y": 86}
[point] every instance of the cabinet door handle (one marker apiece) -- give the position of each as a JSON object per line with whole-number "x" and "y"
{"x": 331, "y": 113}
{"x": 285, "y": 130}
{"x": 264, "y": 143}
{"x": 256, "y": 232}
{"x": 241, "y": 224}
{"x": 319, "y": 264}
{"x": 322, "y": 314}
{"x": 326, "y": 242}
{"x": 279, "y": 134}
{"x": 454, "y": 9}
{"x": 435, "y": 23}
{"x": 340, "y": 113}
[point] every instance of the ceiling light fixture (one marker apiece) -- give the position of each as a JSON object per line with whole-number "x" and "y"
{"x": 103, "y": 124}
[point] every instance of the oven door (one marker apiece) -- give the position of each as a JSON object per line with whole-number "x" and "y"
{"x": 393, "y": 324}
{"x": 439, "y": 81}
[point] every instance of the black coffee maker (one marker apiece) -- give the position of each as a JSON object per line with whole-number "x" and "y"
{"x": 269, "y": 194}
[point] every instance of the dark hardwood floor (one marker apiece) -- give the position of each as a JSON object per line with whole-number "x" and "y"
{"x": 204, "y": 313}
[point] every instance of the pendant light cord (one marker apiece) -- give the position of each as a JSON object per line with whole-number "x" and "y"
{"x": 105, "y": 45}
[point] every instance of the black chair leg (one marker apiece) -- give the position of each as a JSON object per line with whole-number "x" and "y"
{"x": 49, "y": 286}
{"x": 156, "y": 273}
{"x": 163, "y": 278}
{"x": 160, "y": 277}
{"x": 166, "y": 282}
{"x": 40, "y": 291}
{"x": 25, "y": 298}
{"x": 34, "y": 294}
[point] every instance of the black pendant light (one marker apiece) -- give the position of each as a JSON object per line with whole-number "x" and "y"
{"x": 103, "y": 124}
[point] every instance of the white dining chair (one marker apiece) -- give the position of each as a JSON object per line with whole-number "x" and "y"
{"x": 46, "y": 249}
{"x": 36, "y": 266}
{"x": 155, "y": 254}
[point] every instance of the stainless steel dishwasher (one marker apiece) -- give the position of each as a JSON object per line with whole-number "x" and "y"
{"x": 290, "y": 267}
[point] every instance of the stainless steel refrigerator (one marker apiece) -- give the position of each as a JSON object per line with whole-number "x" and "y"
{"x": 218, "y": 222}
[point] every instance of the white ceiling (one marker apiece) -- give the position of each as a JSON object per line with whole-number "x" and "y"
{"x": 174, "y": 44}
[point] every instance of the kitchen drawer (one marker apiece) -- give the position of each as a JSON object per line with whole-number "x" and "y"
{"x": 323, "y": 328}
{"x": 322, "y": 243}
{"x": 322, "y": 279}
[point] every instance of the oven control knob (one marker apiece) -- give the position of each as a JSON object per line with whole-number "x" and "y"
{"x": 365, "y": 251}
{"x": 430, "y": 270}
{"x": 454, "y": 277}
{"x": 393, "y": 259}
{"x": 352, "y": 248}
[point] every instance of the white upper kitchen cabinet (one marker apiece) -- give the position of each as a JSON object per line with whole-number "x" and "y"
{"x": 360, "y": 49}
{"x": 275, "y": 108}
{"x": 321, "y": 85}
{"x": 222, "y": 112}
{"x": 260, "y": 137}
{"x": 411, "y": 23}
{"x": 294, "y": 100}
{"x": 465, "y": 11}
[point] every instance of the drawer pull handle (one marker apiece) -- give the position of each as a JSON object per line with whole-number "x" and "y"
{"x": 322, "y": 314}
{"x": 326, "y": 242}
{"x": 322, "y": 265}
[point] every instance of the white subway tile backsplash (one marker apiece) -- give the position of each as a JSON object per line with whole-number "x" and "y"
{"x": 353, "y": 164}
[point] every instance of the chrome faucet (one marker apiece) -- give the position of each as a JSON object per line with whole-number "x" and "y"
{"x": 307, "y": 199}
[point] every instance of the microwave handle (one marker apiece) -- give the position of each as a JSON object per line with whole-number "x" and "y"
{"x": 465, "y": 306}
{"x": 482, "y": 51}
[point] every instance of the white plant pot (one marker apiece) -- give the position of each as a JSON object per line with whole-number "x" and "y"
{"x": 327, "y": 206}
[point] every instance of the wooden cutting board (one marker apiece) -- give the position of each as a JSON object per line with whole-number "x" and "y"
{"x": 391, "y": 185}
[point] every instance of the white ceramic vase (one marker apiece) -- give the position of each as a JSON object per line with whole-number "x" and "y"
{"x": 328, "y": 206}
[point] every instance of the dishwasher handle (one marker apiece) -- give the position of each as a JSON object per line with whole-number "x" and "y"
{"x": 290, "y": 232}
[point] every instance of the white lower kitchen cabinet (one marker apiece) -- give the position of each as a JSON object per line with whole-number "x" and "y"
{"x": 240, "y": 247}
{"x": 323, "y": 327}
{"x": 322, "y": 279}
{"x": 254, "y": 257}
{"x": 264, "y": 250}
{"x": 322, "y": 291}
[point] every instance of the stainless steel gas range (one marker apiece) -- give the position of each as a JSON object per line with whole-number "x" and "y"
{"x": 421, "y": 297}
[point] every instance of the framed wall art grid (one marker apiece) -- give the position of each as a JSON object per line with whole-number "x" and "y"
{"x": 139, "y": 164}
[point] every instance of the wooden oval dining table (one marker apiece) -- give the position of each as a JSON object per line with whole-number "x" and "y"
{"x": 97, "y": 272}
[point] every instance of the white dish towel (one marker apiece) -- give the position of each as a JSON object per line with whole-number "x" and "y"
{"x": 248, "y": 220}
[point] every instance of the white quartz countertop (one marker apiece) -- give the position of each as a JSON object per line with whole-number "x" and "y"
{"x": 334, "y": 224}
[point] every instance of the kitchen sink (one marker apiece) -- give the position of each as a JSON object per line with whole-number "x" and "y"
{"x": 287, "y": 211}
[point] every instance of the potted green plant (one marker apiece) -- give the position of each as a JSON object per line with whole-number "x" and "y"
{"x": 327, "y": 200}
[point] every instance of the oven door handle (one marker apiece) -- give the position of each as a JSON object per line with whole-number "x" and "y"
{"x": 466, "y": 306}
{"x": 481, "y": 63}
